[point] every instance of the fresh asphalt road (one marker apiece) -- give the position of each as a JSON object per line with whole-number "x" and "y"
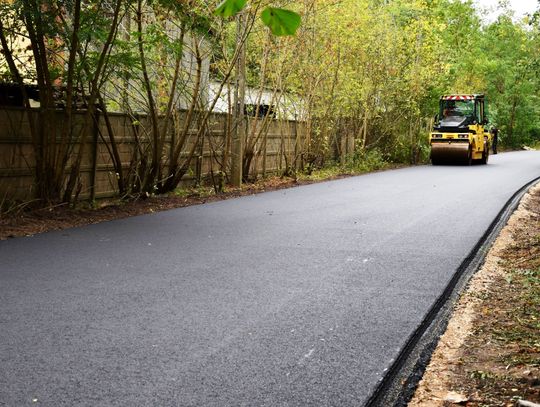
{"x": 294, "y": 297}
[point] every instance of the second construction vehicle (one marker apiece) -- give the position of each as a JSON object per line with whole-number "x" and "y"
{"x": 459, "y": 134}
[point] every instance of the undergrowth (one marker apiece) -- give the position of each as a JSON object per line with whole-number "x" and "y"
{"x": 359, "y": 163}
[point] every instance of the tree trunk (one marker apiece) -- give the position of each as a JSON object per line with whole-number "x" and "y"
{"x": 239, "y": 98}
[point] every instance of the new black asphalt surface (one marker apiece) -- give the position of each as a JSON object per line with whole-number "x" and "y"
{"x": 289, "y": 298}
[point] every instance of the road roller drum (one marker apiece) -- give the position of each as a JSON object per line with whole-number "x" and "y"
{"x": 448, "y": 152}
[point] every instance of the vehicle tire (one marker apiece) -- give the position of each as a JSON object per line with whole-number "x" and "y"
{"x": 485, "y": 156}
{"x": 469, "y": 158}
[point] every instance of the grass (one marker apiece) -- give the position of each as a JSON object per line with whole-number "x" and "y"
{"x": 359, "y": 163}
{"x": 199, "y": 191}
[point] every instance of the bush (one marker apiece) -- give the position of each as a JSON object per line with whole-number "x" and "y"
{"x": 365, "y": 161}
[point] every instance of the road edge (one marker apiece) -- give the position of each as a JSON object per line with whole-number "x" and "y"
{"x": 397, "y": 386}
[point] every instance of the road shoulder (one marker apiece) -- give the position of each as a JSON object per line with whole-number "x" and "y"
{"x": 490, "y": 352}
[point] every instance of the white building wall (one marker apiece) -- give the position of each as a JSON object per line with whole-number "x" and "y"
{"x": 285, "y": 106}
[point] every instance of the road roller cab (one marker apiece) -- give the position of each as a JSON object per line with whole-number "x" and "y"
{"x": 459, "y": 134}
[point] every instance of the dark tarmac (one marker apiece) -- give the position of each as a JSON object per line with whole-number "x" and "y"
{"x": 295, "y": 297}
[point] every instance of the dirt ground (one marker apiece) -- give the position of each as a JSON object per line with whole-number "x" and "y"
{"x": 19, "y": 221}
{"x": 490, "y": 353}
{"x": 30, "y": 222}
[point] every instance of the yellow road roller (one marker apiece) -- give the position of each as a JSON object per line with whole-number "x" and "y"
{"x": 459, "y": 133}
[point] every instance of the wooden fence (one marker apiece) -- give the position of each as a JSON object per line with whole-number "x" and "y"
{"x": 278, "y": 147}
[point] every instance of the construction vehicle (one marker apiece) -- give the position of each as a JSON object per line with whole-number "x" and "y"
{"x": 459, "y": 134}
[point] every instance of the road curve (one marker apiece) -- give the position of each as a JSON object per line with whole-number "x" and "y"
{"x": 295, "y": 297}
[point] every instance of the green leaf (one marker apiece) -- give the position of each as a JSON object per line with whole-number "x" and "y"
{"x": 281, "y": 21}
{"x": 229, "y": 8}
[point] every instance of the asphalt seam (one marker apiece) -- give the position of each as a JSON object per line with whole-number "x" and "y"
{"x": 397, "y": 386}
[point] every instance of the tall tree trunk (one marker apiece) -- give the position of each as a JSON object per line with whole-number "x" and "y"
{"x": 239, "y": 99}
{"x": 67, "y": 125}
{"x": 150, "y": 181}
{"x": 95, "y": 85}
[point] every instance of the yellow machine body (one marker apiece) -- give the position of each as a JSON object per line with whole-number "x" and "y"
{"x": 455, "y": 141}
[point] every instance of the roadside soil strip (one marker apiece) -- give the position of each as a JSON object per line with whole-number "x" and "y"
{"x": 488, "y": 355}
